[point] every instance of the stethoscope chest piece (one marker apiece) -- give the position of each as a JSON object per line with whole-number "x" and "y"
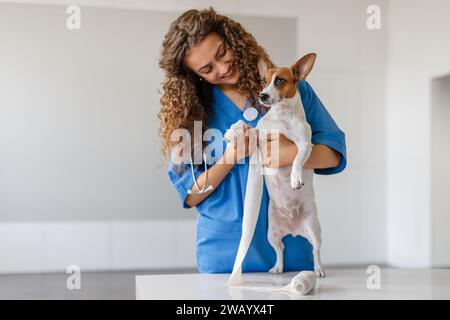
{"x": 250, "y": 112}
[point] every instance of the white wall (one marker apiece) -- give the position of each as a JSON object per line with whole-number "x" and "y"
{"x": 419, "y": 51}
{"x": 349, "y": 78}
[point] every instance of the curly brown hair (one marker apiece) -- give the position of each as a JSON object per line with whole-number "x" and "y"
{"x": 185, "y": 98}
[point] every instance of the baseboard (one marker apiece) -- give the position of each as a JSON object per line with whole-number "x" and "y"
{"x": 96, "y": 246}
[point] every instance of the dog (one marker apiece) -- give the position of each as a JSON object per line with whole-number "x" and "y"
{"x": 292, "y": 207}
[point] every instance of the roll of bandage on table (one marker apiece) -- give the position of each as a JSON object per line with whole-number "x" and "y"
{"x": 301, "y": 284}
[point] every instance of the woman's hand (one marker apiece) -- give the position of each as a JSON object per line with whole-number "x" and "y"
{"x": 321, "y": 156}
{"x": 277, "y": 150}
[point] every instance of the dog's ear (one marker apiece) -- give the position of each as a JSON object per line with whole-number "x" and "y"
{"x": 262, "y": 68}
{"x": 303, "y": 67}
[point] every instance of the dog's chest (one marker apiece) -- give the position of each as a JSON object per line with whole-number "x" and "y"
{"x": 277, "y": 120}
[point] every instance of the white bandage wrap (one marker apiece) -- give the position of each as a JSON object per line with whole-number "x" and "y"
{"x": 252, "y": 203}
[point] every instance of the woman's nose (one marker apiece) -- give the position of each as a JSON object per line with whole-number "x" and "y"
{"x": 223, "y": 69}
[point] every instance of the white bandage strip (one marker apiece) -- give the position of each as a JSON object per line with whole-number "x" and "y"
{"x": 252, "y": 203}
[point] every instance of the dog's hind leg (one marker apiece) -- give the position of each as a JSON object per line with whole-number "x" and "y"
{"x": 318, "y": 268}
{"x": 278, "y": 245}
{"x": 274, "y": 235}
{"x": 312, "y": 229}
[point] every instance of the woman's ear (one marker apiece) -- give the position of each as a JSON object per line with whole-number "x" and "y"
{"x": 262, "y": 68}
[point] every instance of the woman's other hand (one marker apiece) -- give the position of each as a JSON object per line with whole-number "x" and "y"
{"x": 277, "y": 150}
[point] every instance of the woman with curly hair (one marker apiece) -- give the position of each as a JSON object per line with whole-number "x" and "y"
{"x": 210, "y": 63}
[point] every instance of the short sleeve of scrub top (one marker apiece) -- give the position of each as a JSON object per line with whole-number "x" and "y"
{"x": 182, "y": 179}
{"x": 324, "y": 129}
{"x": 219, "y": 223}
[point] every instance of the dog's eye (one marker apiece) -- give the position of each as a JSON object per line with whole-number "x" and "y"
{"x": 263, "y": 82}
{"x": 279, "y": 81}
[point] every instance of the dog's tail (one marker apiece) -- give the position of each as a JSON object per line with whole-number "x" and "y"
{"x": 252, "y": 204}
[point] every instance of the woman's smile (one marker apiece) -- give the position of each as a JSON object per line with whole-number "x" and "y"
{"x": 230, "y": 74}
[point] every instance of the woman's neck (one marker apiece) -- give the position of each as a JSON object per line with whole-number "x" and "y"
{"x": 234, "y": 95}
{"x": 227, "y": 87}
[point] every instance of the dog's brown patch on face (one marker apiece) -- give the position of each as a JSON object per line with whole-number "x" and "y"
{"x": 284, "y": 81}
{"x": 268, "y": 76}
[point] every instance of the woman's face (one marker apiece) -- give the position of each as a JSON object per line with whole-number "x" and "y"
{"x": 210, "y": 60}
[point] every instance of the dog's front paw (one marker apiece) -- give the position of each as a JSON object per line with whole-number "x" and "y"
{"x": 276, "y": 269}
{"x": 231, "y": 135}
{"x": 296, "y": 180}
{"x": 319, "y": 272}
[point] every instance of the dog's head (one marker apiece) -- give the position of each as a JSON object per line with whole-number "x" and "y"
{"x": 281, "y": 83}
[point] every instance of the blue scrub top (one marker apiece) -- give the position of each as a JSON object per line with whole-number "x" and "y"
{"x": 219, "y": 221}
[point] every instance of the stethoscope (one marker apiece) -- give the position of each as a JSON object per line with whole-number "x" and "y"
{"x": 250, "y": 113}
{"x": 204, "y": 189}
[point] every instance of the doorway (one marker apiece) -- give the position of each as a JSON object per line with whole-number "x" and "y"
{"x": 440, "y": 185}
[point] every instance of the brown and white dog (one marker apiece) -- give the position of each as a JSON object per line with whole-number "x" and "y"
{"x": 292, "y": 207}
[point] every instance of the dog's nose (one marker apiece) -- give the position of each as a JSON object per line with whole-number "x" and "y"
{"x": 264, "y": 97}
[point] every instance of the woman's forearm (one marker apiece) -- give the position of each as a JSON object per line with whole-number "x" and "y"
{"x": 321, "y": 157}
{"x": 215, "y": 176}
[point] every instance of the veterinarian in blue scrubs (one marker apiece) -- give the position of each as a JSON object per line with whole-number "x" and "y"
{"x": 210, "y": 63}
{"x": 220, "y": 214}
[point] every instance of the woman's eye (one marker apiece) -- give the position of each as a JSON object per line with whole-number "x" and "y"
{"x": 209, "y": 70}
{"x": 223, "y": 53}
